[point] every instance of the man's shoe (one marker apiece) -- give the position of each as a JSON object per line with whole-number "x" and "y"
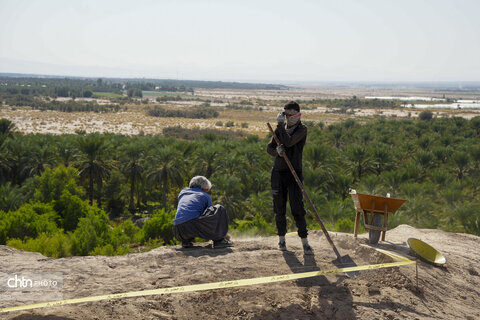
{"x": 282, "y": 246}
{"x": 187, "y": 244}
{"x": 222, "y": 243}
{"x": 307, "y": 249}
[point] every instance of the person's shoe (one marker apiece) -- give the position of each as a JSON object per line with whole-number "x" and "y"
{"x": 187, "y": 244}
{"x": 282, "y": 246}
{"x": 224, "y": 243}
{"x": 307, "y": 249}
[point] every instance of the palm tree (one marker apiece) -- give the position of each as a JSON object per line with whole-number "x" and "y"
{"x": 38, "y": 159}
{"x": 337, "y": 137}
{"x": 205, "y": 160}
{"x": 462, "y": 161}
{"x": 7, "y": 128}
{"x": 382, "y": 157}
{"x": 232, "y": 163}
{"x": 227, "y": 190}
{"x": 358, "y": 161}
{"x": 67, "y": 153}
{"x": 393, "y": 179}
{"x": 166, "y": 171}
{"x": 341, "y": 184}
{"x": 11, "y": 197}
{"x": 425, "y": 159}
{"x": 93, "y": 167}
{"x": 316, "y": 155}
{"x": 12, "y": 159}
{"x": 133, "y": 169}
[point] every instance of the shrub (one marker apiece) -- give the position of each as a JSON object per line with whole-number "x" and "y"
{"x": 229, "y": 124}
{"x": 70, "y": 208}
{"x": 125, "y": 233}
{"x": 56, "y": 245}
{"x": 92, "y": 231}
{"x": 344, "y": 225}
{"x": 257, "y": 226}
{"x": 160, "y": 226}
{"x": 29, "y": 220}
{"x": 198, "y": 113}
{"x": 109, "y": 250}
{"x": 426, "y": 115}
{"x": 52, "y": 183}
{"x": 197, "y": 133}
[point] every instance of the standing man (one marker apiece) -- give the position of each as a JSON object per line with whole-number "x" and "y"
{"x": 292, "y": 136}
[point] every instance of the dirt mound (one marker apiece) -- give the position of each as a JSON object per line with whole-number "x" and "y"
{"x": 444, "y": 292}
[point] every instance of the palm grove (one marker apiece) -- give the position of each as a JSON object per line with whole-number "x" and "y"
{"x": 77, "y": 194}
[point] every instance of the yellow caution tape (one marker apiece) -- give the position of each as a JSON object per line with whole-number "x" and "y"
{"x": 388, "y": 253}
{"x": 216, "y": 285}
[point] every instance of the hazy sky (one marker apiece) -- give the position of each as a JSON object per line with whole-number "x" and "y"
{"x": 289, "y": 41}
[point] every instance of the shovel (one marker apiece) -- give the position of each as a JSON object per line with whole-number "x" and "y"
{"x": 340, "y": 262}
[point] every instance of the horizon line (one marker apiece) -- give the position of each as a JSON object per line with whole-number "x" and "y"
{"x": 284, "y": 82}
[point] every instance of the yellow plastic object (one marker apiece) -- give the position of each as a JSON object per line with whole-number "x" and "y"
{"x": 425, "y": 252}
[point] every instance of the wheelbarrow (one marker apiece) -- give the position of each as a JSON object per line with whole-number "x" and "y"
{"x": 373, "y": 208}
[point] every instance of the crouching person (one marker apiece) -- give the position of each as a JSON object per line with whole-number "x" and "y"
{"x": 196, "y": 217}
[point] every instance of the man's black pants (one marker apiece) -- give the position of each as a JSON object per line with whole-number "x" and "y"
{"x": 212, "y": 224}
{"x": 283, "y": 186}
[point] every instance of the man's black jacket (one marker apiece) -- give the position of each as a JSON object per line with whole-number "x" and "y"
{"x": 293, "y": 144}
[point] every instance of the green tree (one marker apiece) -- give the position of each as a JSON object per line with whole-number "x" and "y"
{"x": 53, "y": 182}
{"x": 12, "y": 160}
{"x": 11, "y": 198}
{"x": 358, "y": 161}
{"x": 133, "y": 168}
{"x": 159, "y": 226}
{"x": 461, "y": 161}
{"x": 29, "y": 220}
{"x": 70, "y": 209}
{"x": 115, "y": 192}
{"x": 87, "y": 93}
{"x": 7, "y": 129}
{"x": 166, "y": 170}
{"x": 38, "y": 159}
{"x": 227, "y": 192}
{"x": 205, "y": 159}
{"x": 426, "y": 115}
{"x": 93, "y": 167}
{"x": 67, "y": 153}
{"x": 92, "y": 231}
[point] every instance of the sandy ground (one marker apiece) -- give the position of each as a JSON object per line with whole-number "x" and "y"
{"x": 449, "y": 292}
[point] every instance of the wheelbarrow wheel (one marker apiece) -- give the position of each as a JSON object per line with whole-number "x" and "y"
{"x": 374, "y": 235}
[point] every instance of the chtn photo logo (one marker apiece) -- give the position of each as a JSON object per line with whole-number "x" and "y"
{"x": 19, "y": 282}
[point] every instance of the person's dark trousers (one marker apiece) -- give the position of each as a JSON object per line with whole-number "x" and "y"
{"x": 283, "y": 186}
{"x": 211, "y": 225}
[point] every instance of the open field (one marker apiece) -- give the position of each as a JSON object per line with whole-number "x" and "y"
{"x": 263, "y": 106}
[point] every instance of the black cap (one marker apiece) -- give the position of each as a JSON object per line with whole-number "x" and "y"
{"x": 292, "y": 105}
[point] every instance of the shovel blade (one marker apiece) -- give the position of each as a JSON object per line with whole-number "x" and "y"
{"x": 346, "y": 262}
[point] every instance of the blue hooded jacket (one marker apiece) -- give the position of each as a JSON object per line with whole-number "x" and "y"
{"x": 191, "y": 204}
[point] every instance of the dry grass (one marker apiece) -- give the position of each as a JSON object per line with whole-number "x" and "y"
{"x": 135, "y": 121}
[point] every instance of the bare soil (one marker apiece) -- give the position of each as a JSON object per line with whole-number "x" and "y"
{"x": 449, "y": 292}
